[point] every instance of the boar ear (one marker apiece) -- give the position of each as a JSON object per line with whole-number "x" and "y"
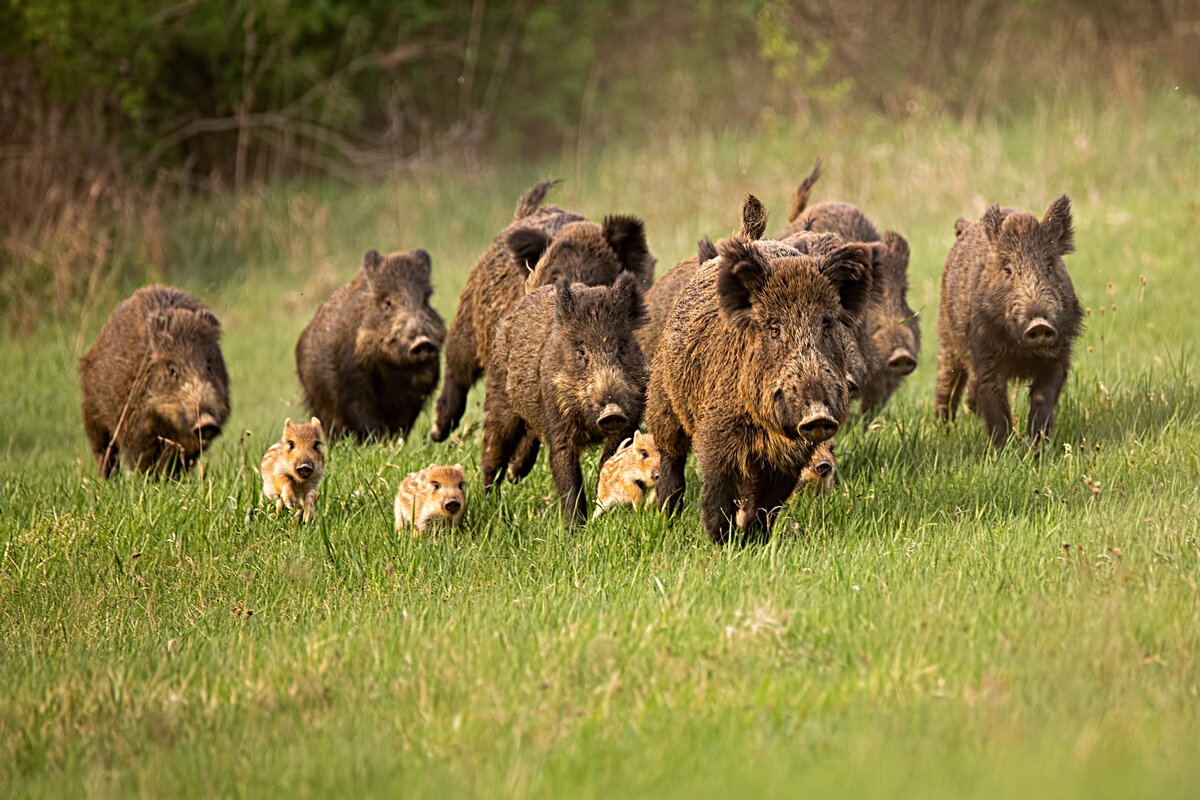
{"x": 992, "y": 221}
{"x": 422, "y": 262}
{"x": 754, "y": 219}
{"x": 626, "y": 235}
{"x": 629, "y": 297}
{"x": 372, "y": 261}
{"x": 528, "y": 244}
{"x": 898, "y": 246}
{"x": 1057, "y": 223}
{"x": 960, "y": 225}
{"x": 565, "y": 302}
{"x": 741, "y": 276}
{"x": 316, "y": 423}
{"x": 849, "y": 270}
{"x": 158, "y": 330}
{"x": 287, "y": 426}
{"x": 705, "y": 249}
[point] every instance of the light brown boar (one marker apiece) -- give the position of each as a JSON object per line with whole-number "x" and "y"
{"x": 628, "y": 477}
{"x": 543, "y": 244}
{"x": 1008, "y": 311}
{"x": 437, "y": 495}
{"x": 292, "y": 468}
{"x": 751, "y": 371}
{"x": 155, "y": 389}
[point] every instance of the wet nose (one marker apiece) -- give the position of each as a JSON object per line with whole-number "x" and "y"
{"x": 1040, "y": 333}
{"x": 206, "y": 428}
{"x": 452, "y": 505}
{"x": 818, "y": 426}
{"x": 304, "y": 469}
{"x": 423, "y": 347}
{"x": 611, "y": 418}
{"x": 901, "y": 362}
{"x": 823, "y": 467}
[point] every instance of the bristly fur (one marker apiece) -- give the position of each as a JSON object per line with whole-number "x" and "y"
{"x": 533, "y": 198}
{"x": 705, "y": 249}
{"x": 754, "y": 219}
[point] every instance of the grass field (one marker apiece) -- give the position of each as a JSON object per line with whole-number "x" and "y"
{"x": 950, "y": 621}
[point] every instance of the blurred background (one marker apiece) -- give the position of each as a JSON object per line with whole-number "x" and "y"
{"x": 110, "y": 112}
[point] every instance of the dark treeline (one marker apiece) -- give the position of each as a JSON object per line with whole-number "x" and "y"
{"x": 100, "y": 99}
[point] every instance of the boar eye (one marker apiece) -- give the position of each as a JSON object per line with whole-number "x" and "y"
{"x": 827, "y": 324}
{"x": 171, "y": 371}
{"x": 462, "y": 487}
{"x": 317, "y": 446}
{"x": 774, "y": 330}
{"x": 436, "y": 485}
{"x": 291, "y": 445}
{"x": 581, "y": 353}
{"x": 387, "y": 303}
{"x": 1007, "y": 269}
{"x": 645, "y": 454}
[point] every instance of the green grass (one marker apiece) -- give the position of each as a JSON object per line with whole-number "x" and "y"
{"x": 950, "y": 621}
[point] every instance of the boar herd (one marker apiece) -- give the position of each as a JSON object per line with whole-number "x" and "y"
{"x": 749, "y": 353}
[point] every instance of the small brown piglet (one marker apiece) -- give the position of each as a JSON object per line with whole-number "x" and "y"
{"x": 436, "y": 494}
{"x": 292, "y": 468}
{"x": 628, "y": 477}
{"x": 817, "y": 475}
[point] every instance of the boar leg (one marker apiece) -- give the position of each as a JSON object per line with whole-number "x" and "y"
{"x": 524, "y": 458}
{"x": 718, "y": 501}
{"x": 568, "y": 476}
{"x": 950, "y": 379}
{"x": 502, "y": 432}
{"x": 673, "y": 446}
{"x": 104, "y": 447}
{"x": 360, "y": 418}
{"x": 1043, "y": 397}
{"x": 462, "y": 371}
{"x": 310, "y": 506}
{"x": 991, "y": 403}
{"x": 771, "y": 491}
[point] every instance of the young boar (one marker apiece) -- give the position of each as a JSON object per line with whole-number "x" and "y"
{"x": 1008, "y": 311}
{"x": 751, "y": 369}
{"x": 817, "y": 474}
{"x": 369, "y": 358}
{"x": 566, "y": 369}
{"x": 435, "y": 495}
{"x": 895, "y": 333}
{"x": 292, "y": 468}
{"x": 628, "y": 477}
{"x": 155, "y": 389}
{"x": 543, "y": 244}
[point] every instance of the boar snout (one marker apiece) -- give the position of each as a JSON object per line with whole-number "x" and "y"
{"x": 1040, "y": 333}
{"x": 452, "y": 505}
{"x": 824, "y": 466}
{"x": 206, "y": 428}
{"x": 612, "y": 418}
{"x": 423, "y": 348}
{"x": 818, "y": 424}
{"x": 901, "y": 362}
{"x": 304, "y": 469}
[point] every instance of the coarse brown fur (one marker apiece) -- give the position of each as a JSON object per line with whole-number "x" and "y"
{"x": 292, "y": 468}
{"x": 567, "y": 370}
{"x": 155, "y": 389}
{"x": 893, "y": 328}
{"x": 751, "y": 370}
{"x": 542, "y": 245}
{"x": 369, "y": 359}
{"x": 628, "y": 477}
{"x": 435, "y": 495}
{"x": 1008, "y": 311}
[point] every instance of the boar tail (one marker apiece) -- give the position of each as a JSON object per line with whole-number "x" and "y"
{"x": 800, "y": 199}
{"x": 531, "y": 201}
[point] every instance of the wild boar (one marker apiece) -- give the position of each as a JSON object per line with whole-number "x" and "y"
{"x": 368, "y": 360}
{"x": 751, "y": 370}
{"x": 155, "y": 389}
{"x": 292, "y": 468}
{"x": 435, "y": 495}
{"x": 1008, "y": 311}
{"x": 628, "y": 477}
{"x": 566, "y": 368}
{"x": 894, "y": 330}
{"x": 543, "y": 244}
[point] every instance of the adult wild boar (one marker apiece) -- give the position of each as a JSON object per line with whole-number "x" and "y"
{"x": 155, "y": 389}
{"x": 751, "y": 370}
{"x": 369, "y": 358}
{"x": 1008, "y": 311}
{"x": 543, "y": 244}
{"x": 565, "y": 368}
{"x": 893, "y": 328}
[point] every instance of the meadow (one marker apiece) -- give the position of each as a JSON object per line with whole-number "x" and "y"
{"x": 950, "y": 620}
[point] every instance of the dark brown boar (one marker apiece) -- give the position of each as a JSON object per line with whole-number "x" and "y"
{"x": 1008, "y": 311}
{"x": 155, "y": 389}
{"x": 891, "y": 324}
{"x": 566, "y": 369}
{"x": 751, "y": 370}
{"x": 369, "y": 358}
{"x": 543, "y": 244}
